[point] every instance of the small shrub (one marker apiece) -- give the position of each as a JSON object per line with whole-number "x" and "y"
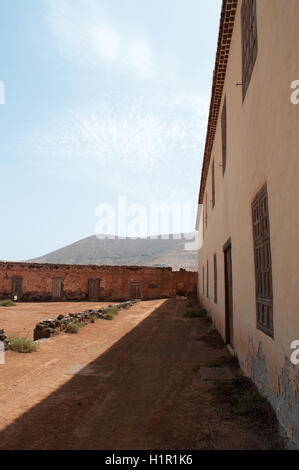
{"x": 7, "y": 303}
{"x": 93, "y": 318}
{"x": 72, "y": 328}
{"x": 110, "y": 313}
{"x": 230, "y": 361}
{"x": 242, "y": 400}
{"x": 193, "y": 302}
{"x": 197, "y": 314}
{"x": 213, "y": 338}
{"x": 22, "y": 345}
{"x": 108, "y": 316}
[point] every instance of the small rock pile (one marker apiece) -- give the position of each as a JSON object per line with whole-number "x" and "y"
{"x": 52, "y": 327}
{"x": 4, "y": 339}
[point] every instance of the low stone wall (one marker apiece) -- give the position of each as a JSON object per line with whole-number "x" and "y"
{"x": 4, "y": 339}
{"x": 53, "y": 327}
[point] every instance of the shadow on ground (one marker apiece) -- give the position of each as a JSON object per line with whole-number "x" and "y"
{"x": 143, "y": 393}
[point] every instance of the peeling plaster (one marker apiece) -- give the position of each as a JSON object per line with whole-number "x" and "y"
{"x": 285, "y": 397}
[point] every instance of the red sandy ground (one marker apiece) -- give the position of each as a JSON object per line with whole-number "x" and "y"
{"x": 139, "y": 390}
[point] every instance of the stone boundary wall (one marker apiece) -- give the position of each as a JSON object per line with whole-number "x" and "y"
{"x": 53, "y": 327}
{"x": 56, "y": 282}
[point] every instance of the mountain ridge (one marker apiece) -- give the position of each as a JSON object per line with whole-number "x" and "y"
{"x": 158, "y": 251}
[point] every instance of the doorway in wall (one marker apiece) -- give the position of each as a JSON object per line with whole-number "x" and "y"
{"x": 181, "y": 288}
{"x": 94, "y": 286}
{"x": 56, "y": 289}
{"x": 17, "y": 282}
{"x": 135, "y": 290}
{"x": 228, "y": 276}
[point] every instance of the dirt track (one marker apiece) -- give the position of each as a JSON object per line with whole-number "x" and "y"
{"x": 125, "y": 384}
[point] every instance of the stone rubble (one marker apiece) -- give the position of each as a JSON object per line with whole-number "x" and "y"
{"x": 4, "y": 339}
{"x": 53, "y": 327}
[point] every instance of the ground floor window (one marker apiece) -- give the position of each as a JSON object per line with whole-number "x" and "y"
{"x": 215, "y": 280}
{"x": 208, "y": 279}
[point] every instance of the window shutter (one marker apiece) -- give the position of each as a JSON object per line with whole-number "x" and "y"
{"x": 263, "y": 263}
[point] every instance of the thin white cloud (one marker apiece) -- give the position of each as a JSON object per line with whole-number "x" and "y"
{"x": 84, "y": 35}
{"x": 136, "y": 138}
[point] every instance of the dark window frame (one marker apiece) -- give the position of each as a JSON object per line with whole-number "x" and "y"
{"x": 203, "y": 221}
{"x": 215, "y": 280}
{"x": 208, "y": 290}
{"x": 249, "y": 42}
{"x": 206, "y": 210}
{"x": 213, "y": 185}
{"x": 263, "y": 262}
{"x": 224, "y": 135}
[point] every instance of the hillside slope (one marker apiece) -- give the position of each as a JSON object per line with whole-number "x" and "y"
{"x": 124, "y": 251}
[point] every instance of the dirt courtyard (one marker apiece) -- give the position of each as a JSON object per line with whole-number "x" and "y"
{"x": 130, "y": 383}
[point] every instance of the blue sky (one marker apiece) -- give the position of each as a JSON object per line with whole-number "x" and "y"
{"x": 104, "y": 98}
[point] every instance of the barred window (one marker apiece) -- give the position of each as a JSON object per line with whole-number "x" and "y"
{"x": 249, "y": 41}
{"x": 263, "y": 264}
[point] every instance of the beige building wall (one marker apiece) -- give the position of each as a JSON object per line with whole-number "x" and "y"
{"x": 262, "y": 147}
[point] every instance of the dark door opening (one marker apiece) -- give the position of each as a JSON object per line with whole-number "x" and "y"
{"x": 181, "y": 289}
{"x": 56, "y": 288}
{"x": 94, "y": 286}
{"x": 17, "y": 287}
{"x": 229, "y": 325}
{"x": 135, "y": 290}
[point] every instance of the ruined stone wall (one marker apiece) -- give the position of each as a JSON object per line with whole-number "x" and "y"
{"x": 35, "y": 282}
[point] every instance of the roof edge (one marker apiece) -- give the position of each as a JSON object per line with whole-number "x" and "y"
{"x": 227, "y": 21}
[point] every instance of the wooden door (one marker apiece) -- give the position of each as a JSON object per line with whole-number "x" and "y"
{"x": 56, "y": 288}
{"x": 17, "y": 287}
{"x": 228, "y": 294}
{"x": 135, "y": 290}
{"x": 94, "y": 286}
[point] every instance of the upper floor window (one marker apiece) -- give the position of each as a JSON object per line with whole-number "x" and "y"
{"x": 263, "y": 264}
{"x": 249, "y": 41}
{"x": 224, "y": 134}
{"x": 213, "y": 184}
{"x": 206, "y": 211}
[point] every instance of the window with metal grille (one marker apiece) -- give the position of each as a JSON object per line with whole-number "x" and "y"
{"x": 224, "y": 135}
{"x": 249, "y": 41}
{"x": 213, "y": 184}
{"x": 215, "y": 280}
{"x": 208, "y": 279}
{"x": 263, "y": 264}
